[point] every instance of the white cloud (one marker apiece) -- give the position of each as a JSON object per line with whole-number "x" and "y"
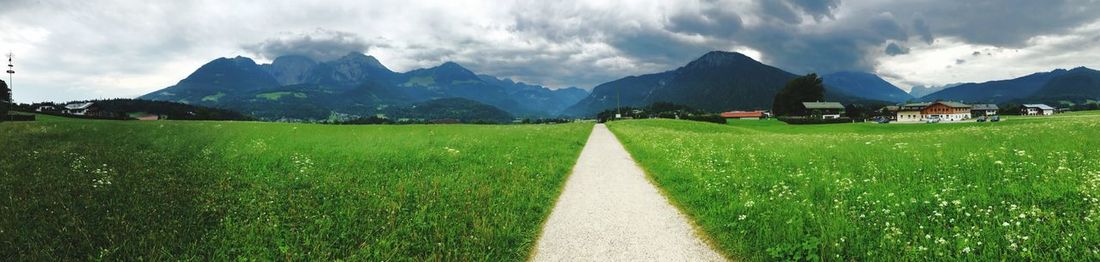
{"x": 936, "y": 64}
{"x": 70, "y": 50}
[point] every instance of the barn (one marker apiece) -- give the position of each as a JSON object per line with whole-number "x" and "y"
{"x": 744, "y": 115}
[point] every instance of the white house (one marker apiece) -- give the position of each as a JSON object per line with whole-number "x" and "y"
{"x": 1037, "y": 110}
{"x": 78, "y": 109}
{"x": 826, "y": 110}
{"x": 910, "y": 113}
{"x": 942, "y": 110}
{"x": 984, "y": 110}
{"x": 45, "y": 108}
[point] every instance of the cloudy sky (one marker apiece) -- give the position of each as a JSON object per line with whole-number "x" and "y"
{"x": 67, "y": 50}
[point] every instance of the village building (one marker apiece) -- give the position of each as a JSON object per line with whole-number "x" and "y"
{"x": 45, "y": 108}
{"x": 79, "y": 109}
{"x": 947, "y": 111}
{"x": 1037, "y": 110}
{"x": 745, "y": 115}
{"x": 889, "y": 112}
{"x": 911, "y": 112}
{"x": 823, "y": 110}
{"x": 942, "y": 110}
{"x": 984, "y": 110}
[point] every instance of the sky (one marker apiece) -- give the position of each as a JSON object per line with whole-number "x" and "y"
{"x": 72, "y": 50}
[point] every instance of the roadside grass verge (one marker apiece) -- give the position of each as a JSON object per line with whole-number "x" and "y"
{"x": 1023, "y": 189}
{"x": 171, "y": 190}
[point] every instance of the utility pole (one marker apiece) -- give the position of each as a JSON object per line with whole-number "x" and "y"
{"x": 11, "y": 71}
{"x": 618, "y": 102}
{"x": 11, "y": 84}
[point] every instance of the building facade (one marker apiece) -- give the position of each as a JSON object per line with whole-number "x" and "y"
{"x": 1037, "y": 110}
{"x": 744, "y": 115}
{"x": 984, "y": 110}
{"x": 824, "y": 110}
{"x": 942, "y": 110}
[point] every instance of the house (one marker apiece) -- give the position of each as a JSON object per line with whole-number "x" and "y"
{"x": 823, "y": 110}
{"x": 984, "y": 110}
{"x": 911, "y": 112}
{"x": 79, "y": 108}
{"x": 748, "y": 115}
{"x": 947, "y": 111}
{"x": 942, "y": 110}
{"x": 889, "y": 112}
{"x": 45, "y": 108}
{"x": 1036, "y": 110}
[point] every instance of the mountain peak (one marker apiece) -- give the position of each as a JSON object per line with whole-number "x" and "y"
{"x": 239, "y": 60}
{"x": 1081, "y": 69}
{"x": 360, "y": 58}
{"x": 724, "y": 56}
{"x": 293, "y": 59}
{"x": 451, "y": 66}
{"x": 721, "y": 58}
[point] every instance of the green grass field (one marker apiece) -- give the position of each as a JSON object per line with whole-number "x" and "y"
{"x": 169, "y": 190}
{"x": 1023, "y": 189}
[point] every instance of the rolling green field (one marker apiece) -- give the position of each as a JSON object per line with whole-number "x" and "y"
{"x": 169, "y": 190}
{"x": 1023, "y": 189}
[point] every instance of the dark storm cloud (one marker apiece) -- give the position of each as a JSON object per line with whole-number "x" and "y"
{"x": 999, "y": 22}
{"x": 842, "y": 45}
{"x": 320, "y": 44}
{"x": 779, "y": 10}
{"x": 713, "y": 22}
{"x": 921, "y": 29}
{"x": 894, "y": 49}
{"x": 817, "y": 8}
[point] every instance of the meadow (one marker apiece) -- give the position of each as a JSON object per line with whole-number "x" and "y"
{"x": 175, "y": 190}
{"x": 1024, "y": 189}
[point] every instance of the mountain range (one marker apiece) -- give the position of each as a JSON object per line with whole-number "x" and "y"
{"x": 924, "y": 90}
{"x": 358, "y": 85}
{"x": 1078, "y": 84}
{"x": 355, "y": 85}
{"x": 722, "y": 81}
{"x": 865, "y": 85}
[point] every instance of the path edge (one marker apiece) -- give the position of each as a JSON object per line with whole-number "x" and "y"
{"x": 561, "y": 189}
{"x": 696, "y": 229}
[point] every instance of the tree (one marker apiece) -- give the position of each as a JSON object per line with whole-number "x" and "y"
{"x": 789, "y": 100}
{"x": 5, "y": 100}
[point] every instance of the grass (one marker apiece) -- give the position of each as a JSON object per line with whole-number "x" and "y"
{"x": 216, "y": 97}
{"x": 169, "y": 190}
{"x": 426, "y": 81}
{"x": 1027, "y": 188}
{"x": 273, "y": 96}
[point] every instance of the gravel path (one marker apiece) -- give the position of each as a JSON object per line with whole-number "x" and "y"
{"x": 609, "y": 211}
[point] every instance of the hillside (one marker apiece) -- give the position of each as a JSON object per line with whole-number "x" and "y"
{"x": 717, "y": 81}
{"x": 996, "y": 91}
{"x": 355, "y": 85}
{"x": 865, "y": 85}
{"x": 133, "y": 108}
{"x": 1079, "y": 84}
{"x": 457, "y": 109}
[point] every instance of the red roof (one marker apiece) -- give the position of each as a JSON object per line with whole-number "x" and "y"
{"x": 743, "y": 114}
